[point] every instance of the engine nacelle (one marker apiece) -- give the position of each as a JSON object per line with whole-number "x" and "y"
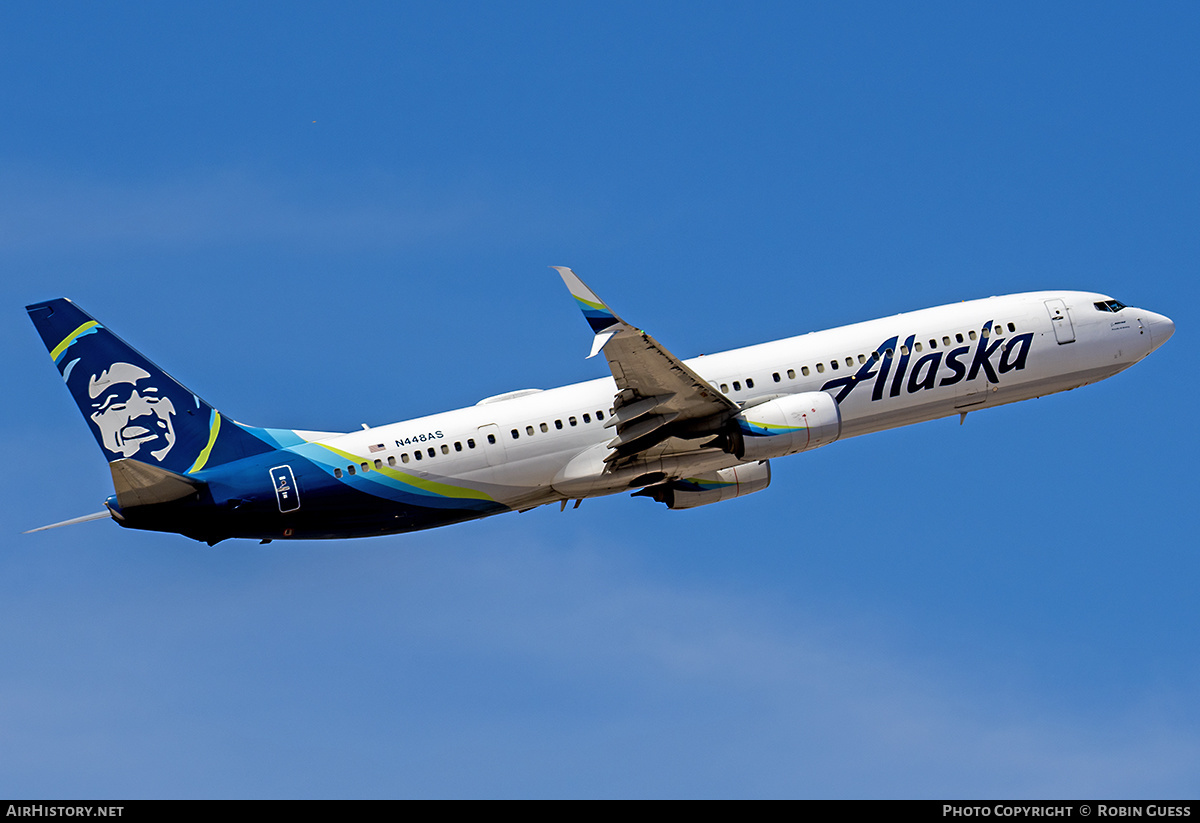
{"x": 712, "y": 487}
{"x": 786, "y": 425}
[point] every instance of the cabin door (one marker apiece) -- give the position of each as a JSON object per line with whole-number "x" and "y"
{"x": 488, "y": 438}
{"x": 1060, "y": 319}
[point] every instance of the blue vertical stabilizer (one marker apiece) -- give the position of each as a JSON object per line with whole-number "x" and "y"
{"x": 135, "y": 409}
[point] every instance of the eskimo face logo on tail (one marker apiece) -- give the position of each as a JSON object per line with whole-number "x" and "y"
{"x": 130, "y": 412}
{"x": 994, "y": 355}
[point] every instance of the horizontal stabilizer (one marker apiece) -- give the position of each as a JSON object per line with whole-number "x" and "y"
{"x": 72, "y": 521}
{"x": 140, "y": 484}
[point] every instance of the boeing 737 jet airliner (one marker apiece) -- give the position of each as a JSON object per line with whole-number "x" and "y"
{"x": 684, "y": 433}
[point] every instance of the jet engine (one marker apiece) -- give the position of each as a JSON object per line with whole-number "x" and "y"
{"x": 711, "y": 487}
{"x": 785, "y": 425}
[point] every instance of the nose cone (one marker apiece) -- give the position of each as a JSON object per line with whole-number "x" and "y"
{"x": 1161, "y": 328}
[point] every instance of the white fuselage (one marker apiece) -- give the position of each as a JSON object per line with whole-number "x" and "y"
{"x": 544, "y": 446}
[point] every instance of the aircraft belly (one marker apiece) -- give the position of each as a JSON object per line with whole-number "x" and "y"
{"x": 245, "y": 499}
{"x": 367, "y": 517}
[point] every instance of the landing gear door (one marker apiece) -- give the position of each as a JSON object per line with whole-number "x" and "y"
{"x": 1060, "y": 319}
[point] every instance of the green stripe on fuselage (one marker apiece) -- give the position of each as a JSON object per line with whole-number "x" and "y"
{"x": 428, "y": 486}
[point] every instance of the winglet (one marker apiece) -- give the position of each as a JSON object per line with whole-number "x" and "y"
{"x": 599, "y": 316}
{"x": 598, "y": 343}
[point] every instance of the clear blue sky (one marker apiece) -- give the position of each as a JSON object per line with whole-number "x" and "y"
{"x": 317, "y": 216}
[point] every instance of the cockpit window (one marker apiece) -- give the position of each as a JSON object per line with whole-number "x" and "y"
{"x": 1109, "y": 305}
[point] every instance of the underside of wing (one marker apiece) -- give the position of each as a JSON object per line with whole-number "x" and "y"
{"x": 658, "y": 395}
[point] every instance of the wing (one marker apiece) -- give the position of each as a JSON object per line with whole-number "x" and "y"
{"x": 658, "y": 395}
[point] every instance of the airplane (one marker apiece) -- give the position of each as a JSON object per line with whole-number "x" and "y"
{"x": 684, "y": 433}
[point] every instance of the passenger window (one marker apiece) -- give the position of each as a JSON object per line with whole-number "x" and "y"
{"x": 418, "y": 454}
{"x": 946, "y": 341}
{"x": 378, "y": 463}
{"x": 724, "y": 389}
{"x": 391, "y": 459}
{"x": 918, "y": 347}
{"x": 971, "y": 334}
{"x": 775, "y": 377}
{"x": 366, "y": 467}
{"x": 749, "y": 382}
{"x": 458, "y": 445}
{"x": 804, "y": 370}
{"x": 862, "y": 358}
{"x": 587, "y": 418}
{"x": 833, "y": 364}
{"x": 432, "y": 453}
{"x": 985, "y": 333}
{"x": 888, "y": 353}
{"x": 337, "y": 472}
{"x": 820, "y": 368}
{"x": 932, "y": 343}
{"x": 791, "y": 373}
{"x": 470, "y": 442}
{"x": 404, "y": 457}
{"x": 351, "y": 470}
{"x": 572, "y": 421}
{"x": 529, "y": 430}
{"x": 544, "y": 427}
{"x": 904, "y": 349}
{"x": 599, "y": 415}
{"x": 491, "y": 439}
{"x": 1011, "y": 327}
{"x": 445, "y": 449}
{"x": 515, "y": 434}
{"x": 558, "y": 424}
{"x": 737, "y": 386}
{"x": 958, "y": 337}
